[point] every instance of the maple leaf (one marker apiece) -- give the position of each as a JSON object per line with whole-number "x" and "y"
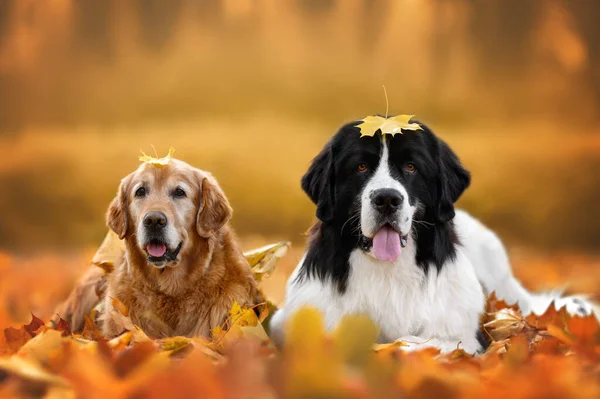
{"x": 35, "y": 324}
{"x": 160, "y": 162}
{"x": 392, "y": 125}
{"x": 63, "y": 327}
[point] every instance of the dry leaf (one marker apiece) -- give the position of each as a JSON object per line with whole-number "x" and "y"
{"x": 39, "y": 348}
{"x": 392, "y": 125}
{"x": 164, "y": 161}
{"x": 120, "y": 307}
{"x": 242, "y": 323}
{"x": 506, "y": 323}
{"x": 110, "y": 252}
{"x": 392, "y": 347}
{"x": 35, "y": 324}
{"x": 263, "y": 260}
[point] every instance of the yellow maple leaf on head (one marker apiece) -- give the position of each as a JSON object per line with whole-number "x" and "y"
{"x": 164, "y": 161}
{"x": 392, "y": 125}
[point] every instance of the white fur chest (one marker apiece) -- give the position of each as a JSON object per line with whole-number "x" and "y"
{"x": 405, "y": 301}
{"x": 399, "y": 297}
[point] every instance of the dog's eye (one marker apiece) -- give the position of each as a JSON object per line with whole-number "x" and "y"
{"x": 140, "y": 192}
{"x": 410, "y": 167}
{"x": 362, "y": 167}
{"x": 178, "y": 193}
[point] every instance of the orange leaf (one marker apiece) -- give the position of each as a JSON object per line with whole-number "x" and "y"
{"x": 15, "y": 339}
{"x": 117, "y": 304}
{"x": 90, "y": 329}
{"x": 585, "y": 329}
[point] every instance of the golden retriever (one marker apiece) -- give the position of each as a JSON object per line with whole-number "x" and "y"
{"x": 182, "y": 269}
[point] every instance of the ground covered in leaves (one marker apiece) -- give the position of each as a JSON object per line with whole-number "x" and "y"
{"x": 548, "y": 356}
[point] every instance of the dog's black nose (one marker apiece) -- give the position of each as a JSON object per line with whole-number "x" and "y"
{"x": 155, "y": 220}
{"x": 387, "y": 200}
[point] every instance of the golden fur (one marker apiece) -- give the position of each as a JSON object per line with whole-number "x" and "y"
{"x": 192, "y": 294}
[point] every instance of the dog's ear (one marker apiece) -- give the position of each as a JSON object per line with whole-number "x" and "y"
{"x": 214, "y": 210}
{"x": 318, "y": 183}
{"x": 117, "y": 216}
{"x": 453, "y": 180}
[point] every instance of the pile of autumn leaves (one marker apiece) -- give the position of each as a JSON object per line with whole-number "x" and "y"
{"x": 552, "y": 355}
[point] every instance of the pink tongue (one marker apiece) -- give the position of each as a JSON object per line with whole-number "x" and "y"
{"x": 156, "y": 250}
{"x": 386, "y": 244}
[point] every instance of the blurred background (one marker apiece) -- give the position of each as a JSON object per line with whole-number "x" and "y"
{"x": 251, "y": 90}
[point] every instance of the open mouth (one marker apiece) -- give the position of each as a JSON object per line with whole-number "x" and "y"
{"x": 158, "y": 253}
{"x": 388, "y": 243}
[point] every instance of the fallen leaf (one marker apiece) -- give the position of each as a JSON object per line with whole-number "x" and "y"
{"x": 389, "y": 348}
{"x": 63, "y": 327}
{"x": 39, "y": 348}
{"x": 392, "y": 125}
{"x": 15, "y": 338}
{"x": 90, "y": 329}
{"x": 263, "y": 260}
{"x": 506, "y": 323}
{"x": 242, "y": 323}
{"x": 110, "y": 252}
{"x": 120, "y": 307}
{"x": 34, "y": 325}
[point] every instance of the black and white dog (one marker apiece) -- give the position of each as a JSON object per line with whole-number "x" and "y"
{"x": 389, "y": 244}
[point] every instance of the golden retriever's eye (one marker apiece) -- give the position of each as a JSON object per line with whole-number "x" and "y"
{"x": 140, "y": 192}
{"x": 362, "y": 167}
{"x": 410, "y": 167}
{"x": 178, "y": 193}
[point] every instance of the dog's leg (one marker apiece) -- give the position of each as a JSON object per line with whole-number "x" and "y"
{"x": 82, "y": 299}
{"x": 492, "y": 267}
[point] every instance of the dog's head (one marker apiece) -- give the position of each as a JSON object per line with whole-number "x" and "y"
{"x": 163, "y": 209}
{"x": 378, "y": 188}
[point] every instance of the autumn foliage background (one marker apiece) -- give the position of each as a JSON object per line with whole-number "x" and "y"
{"x": 252, "y": 89}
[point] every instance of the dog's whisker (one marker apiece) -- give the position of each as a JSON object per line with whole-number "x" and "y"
{"x": 355, "y": 216}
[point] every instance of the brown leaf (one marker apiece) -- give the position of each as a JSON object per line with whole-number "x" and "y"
{"x": 15, "y": 339}
{"x": 63, "y": 327}
{"x": 35, "y": 324}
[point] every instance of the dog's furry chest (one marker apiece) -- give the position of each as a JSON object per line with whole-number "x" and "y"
{"x": 161, "y": 314}
{"x": 404, "y": 300}
{"x": 400, "y": 298}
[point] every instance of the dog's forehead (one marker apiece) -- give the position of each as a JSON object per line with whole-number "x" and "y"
{"x": 175, "y": 171}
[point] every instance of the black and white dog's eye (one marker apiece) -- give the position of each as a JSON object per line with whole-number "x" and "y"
{"x": 362, "y": 167}
{"x": 140, "y": 192}
{"x": 178, "y": 193}
{"x": 410, "y": 167}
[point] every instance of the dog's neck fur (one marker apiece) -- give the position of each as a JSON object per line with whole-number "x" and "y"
{"x": 330, "y": 247}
